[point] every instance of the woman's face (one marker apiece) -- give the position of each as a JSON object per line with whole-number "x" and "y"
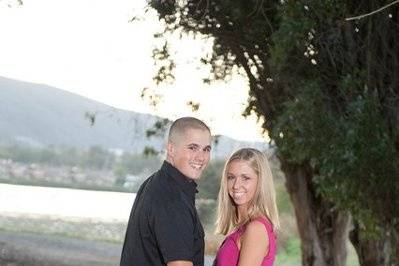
{"x": 242, "y": 181}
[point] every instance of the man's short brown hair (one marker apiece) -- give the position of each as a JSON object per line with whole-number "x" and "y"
{"x": 180, "y": 125}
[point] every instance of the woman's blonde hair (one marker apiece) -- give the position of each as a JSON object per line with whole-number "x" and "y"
{"x": 264, "y": 200}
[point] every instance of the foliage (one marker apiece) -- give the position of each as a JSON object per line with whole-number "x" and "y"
{"x": 159, "y": 128}
{"x": 150, "y": 151}
{"x": 136, "y": 164}
{"x": 341, "y": 117}
{"x": 209, "y": 183}
{"x": 206, "y": 212}
{"x": 351, "y": 153}
{"x": 95, "y": 158}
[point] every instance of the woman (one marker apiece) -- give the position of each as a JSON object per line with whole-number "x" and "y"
{"x": 247, "y": 208}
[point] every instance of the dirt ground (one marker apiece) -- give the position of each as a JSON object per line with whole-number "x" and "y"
{"x": 26, "y": 249}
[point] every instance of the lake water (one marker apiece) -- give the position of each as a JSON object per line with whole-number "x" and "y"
{"x": 65, "y": 203}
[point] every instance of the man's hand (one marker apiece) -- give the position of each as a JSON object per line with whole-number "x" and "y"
{"x": 180, "y": 263}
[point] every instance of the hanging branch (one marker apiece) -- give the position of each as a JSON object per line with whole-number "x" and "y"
{"x": 373, "y": 12}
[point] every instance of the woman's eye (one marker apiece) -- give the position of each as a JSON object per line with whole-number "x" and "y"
{"x": 230, "y": 177}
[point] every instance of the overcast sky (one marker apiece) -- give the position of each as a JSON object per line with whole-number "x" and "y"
{"x": 89, "y": 47}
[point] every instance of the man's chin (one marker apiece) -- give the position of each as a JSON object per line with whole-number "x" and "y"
{"x": 195, "y": 176}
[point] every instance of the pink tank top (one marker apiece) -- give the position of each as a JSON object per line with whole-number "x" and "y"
{"x": 228, "y": 253}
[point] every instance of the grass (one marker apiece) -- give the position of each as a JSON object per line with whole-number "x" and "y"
{"x": 81, "y": 229}
{"x": 290, "y": 254}
{"x": 74, "y": 228}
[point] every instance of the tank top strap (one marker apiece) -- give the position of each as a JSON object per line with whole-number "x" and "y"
{"x": 265, "y": 221}
{"x": 237, "y": 234}
{"x": 241, "y": 230}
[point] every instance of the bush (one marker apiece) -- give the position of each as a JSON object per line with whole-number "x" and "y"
{"x": 206, "y": 209}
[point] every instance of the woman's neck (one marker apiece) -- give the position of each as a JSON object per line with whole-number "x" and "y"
{"x": 242, "y": 214}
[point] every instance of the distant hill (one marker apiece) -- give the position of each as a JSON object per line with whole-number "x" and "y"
{"x": 40, "y": 115}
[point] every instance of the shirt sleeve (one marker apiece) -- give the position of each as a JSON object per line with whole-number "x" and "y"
{"x": 173, "y": 226}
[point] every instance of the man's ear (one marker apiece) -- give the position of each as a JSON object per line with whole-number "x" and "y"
{"x": 170, "y": 149}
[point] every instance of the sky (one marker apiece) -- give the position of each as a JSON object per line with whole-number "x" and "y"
{"x": 90, "y": 48}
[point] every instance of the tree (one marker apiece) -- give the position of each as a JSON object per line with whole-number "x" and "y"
{"x": 328, "y": 91}
{"x": 343, "y": 120}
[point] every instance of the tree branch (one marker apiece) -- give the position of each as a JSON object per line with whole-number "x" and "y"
{"x": 373, "y": 12}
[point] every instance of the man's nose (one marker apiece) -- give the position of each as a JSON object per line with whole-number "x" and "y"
{"x": 201, "y": 155}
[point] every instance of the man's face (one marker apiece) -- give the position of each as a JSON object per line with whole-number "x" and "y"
{"x": 190, "y": 152}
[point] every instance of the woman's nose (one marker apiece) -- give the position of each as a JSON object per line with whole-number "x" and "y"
{"x": 236, "y": 183}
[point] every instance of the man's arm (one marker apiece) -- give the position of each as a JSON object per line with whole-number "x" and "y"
{"x": 173, "y": 229}
{"x": 180, "y": 263}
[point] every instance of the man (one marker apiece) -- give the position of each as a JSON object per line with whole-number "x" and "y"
{"x": 164, "y": 228}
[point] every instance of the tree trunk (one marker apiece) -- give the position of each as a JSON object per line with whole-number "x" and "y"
{"x": 323, "y": 230}
{"x": 381, "y": 251}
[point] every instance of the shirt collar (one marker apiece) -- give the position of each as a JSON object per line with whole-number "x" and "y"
{"x": 188, "y": 186}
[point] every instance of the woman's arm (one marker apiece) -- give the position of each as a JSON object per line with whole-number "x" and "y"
{"x": 254, "y": 244}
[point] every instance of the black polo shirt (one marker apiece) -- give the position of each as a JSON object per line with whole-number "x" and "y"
{"x": 164, "y": 224}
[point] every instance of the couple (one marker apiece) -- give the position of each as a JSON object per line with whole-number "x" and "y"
{"x": 164, "y": 228}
